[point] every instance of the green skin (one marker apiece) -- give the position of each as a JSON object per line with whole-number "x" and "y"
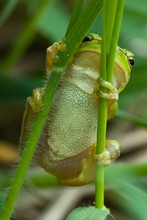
{"x": 73, "y": 160}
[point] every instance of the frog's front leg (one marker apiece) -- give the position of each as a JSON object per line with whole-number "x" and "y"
{"x": 112, "y": 90}
{"x": 52, "y": 54}
{"x": 111, "y": 95}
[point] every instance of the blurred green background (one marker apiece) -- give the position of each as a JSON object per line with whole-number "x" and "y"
{"x": 27, "y": 28}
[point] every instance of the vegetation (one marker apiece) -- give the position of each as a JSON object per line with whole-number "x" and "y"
{"x": 34, "y": 29}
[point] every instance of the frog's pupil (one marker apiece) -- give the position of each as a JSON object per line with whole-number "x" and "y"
{"x": 131, "y": 61}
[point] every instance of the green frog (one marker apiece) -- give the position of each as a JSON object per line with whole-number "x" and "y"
{"x": 67, "y": 146}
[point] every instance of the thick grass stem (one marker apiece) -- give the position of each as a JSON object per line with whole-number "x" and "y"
{"x": 110, "y": 32}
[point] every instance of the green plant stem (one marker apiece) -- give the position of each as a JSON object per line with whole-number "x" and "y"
{"x": 75, "y": 14}
{"x": 101, "y": 127}
{"x": 114, "y": 39}
{"x": 29, "y": 150}
{"x": 88, "y": 15}
{"x": 110, "y": 34}
{"x": 81, "y": 26}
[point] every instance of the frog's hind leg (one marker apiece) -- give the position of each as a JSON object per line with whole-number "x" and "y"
{"x": 89, "y": 164}
{"x": 88, "y": 168}
{"x": 33, "y": 106}
{"x": 110, "y": 154}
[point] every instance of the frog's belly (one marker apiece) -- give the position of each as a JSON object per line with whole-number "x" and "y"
{"x": 71, "y": 129}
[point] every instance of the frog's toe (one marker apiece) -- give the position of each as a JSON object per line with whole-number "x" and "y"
{"x": 113, "y": 147}
{"x": 51, "y": 54}
{"x": 35, "y": 101}
{"x": 112, "y": 90}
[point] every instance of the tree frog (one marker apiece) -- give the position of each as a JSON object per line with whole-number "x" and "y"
{"x": 67, "y": 146}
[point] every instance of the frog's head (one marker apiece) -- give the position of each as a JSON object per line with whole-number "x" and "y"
{"x": 91, "y": 42}
{"x": 124, "y": 59}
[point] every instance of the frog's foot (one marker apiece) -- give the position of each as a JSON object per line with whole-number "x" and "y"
{"x": 89, "y": 164}
{"x": 111, "y": 153}
{"x": 51, "y": 54}
{"x": 112, "y": 94}
{"x": 35, "y": 101}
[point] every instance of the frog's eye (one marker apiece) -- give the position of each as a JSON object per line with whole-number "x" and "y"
{"x": 87, "y": 38}
{"x": 131, "y": 61}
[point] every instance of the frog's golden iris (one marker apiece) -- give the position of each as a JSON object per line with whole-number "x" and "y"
{"x": 67, "y": 145}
